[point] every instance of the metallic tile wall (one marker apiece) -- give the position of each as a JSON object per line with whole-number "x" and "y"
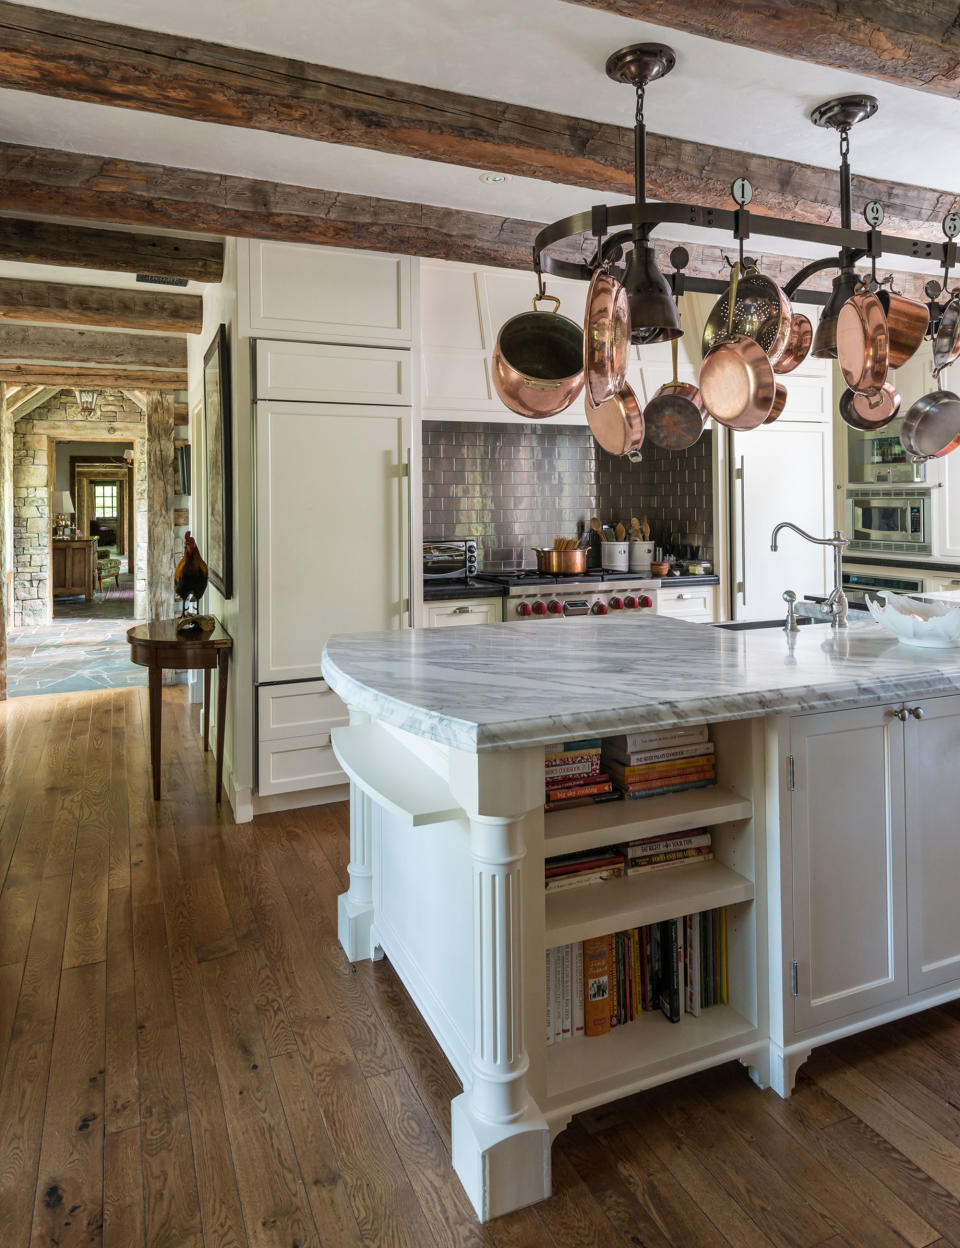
{"x": 516, "y": 486}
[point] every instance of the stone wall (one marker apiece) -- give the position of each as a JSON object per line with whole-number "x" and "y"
{"x": 115, "y": 414}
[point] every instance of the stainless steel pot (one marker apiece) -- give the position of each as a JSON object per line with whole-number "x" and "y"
{"x": 931, "y": 428}
{"x": 538, "y": 361}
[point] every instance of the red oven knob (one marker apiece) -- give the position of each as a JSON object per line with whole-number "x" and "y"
{"x": 539, "y": 608}
{"x": 616, "y": 604}
{"x": 524, "y": 609}
{"x": 631, "y": 601}
{"x": 599, "y": 608}
{"x": 555, "y": 607}
{"x": 646, "y": 600}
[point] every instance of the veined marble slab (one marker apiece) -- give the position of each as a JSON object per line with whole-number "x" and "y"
{"x": 493, "y": 686}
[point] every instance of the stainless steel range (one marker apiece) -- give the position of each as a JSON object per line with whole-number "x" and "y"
{"x": 531, "y": 596}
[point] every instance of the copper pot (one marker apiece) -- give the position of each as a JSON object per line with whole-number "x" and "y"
{"x": 946, "y": 344}
{"x": 618, "y": 425}
{"x": 868, "y": 412}
{"x": 737, "y": 384}
{"x": 779, "y": 403}
{"x": 863, "y": 342}
{"x": 798, "y": 344}
{"x": 907, "y": 322}
{"x": 675, "y": 416}
{"x": 538, "y": 361}
{"x": 606, "y": 338}
{"x": 561, "y": 562}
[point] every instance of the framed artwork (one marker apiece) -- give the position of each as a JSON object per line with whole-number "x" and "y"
{"x": 218, "y": 464}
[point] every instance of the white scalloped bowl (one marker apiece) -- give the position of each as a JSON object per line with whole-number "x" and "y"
{"x": 932, "y": 624}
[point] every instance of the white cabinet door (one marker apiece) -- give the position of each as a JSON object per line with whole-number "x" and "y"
{"x": 323, "y": 294}
{"x": 464, "y": 611}
{"x": 782, "y": 471}
{"x": 305, "y": 372}
{"x": 293, "y": 731}
{"x": 332, "y": 545}
{"x": 696, "y": 603}
{"x": 849, "y": 889}
{"x": 933, "y": 831}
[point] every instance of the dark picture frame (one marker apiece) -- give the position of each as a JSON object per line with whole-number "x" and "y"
{"x": 218, "y": 465}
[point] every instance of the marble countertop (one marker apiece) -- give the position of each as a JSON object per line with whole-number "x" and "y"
{"x": 493, "y": 686}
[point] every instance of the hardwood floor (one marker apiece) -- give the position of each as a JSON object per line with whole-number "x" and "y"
{"x": 187, "y": 1058}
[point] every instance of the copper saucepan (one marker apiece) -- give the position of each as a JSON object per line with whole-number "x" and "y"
{"x": 779, "y": 403}
{"x": 618, "y": 425}
{"x": 606, "y": 338}
{"x": 675, "y": 416}
{"x": 863, "y": 342}
{"x": 737, "y": 384}
{"x": 868, "y": 412}
{"x": 538, "y": 361}
{"x": 561, "y": 562}
{"x": 907, "y": 323}
{"x": 798, "y": 345}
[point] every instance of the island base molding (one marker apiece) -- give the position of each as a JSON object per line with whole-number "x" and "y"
{"x": 502, "y": 1166}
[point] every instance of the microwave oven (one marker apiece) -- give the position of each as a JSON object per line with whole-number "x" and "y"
{"x": 449, "y": 559}
{"x": 889, "y": 520}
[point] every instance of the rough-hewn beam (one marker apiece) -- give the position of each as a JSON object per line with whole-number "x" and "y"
{"x": 915, "y": 43}
{"x": 72, "y": 57}
{"x": 68, "y": 375}
{"x": 43, "y": 344}
{"x": 40, "y": 242}
{"x": 66, "y": 304}
{"x": 37, "y": 179}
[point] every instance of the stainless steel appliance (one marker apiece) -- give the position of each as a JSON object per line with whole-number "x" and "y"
{"x": 893, "y": 520}
{"x": 531, "y": 596}
{"x": 857, "y": 585}
{"x": 449, "y": 559}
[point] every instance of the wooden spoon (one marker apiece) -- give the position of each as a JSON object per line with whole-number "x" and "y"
{"x": 597, "y": 528}
{"x": 620, "y": 532}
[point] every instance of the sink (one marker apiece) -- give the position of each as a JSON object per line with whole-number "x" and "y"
{"x": 742, "y": 626}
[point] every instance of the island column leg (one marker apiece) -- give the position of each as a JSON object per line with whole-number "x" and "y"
{"x": 501, "y": 1141}
{"x": 355, "y": 907}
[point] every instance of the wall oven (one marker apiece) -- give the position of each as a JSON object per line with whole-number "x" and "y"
{"x": 896, "y": 521}
{"x": 858, "y": 586}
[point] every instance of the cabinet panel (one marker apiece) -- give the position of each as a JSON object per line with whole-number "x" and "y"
{"x": 330, "y": 485}
{"x": 305, "y": 708}
{"x": 322, "y": 293}
{"x": 688, "y": 604}
{"x": 848, "y": 863}
{"x": 450, "y": 307}
{"x": 469, "y": 611}
{"x": 932, "y": 747}
{"x": 295, "y": 764}
{"x": 310, "y": 371}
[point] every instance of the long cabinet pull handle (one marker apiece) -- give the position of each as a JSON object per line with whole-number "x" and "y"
{"x": 743, "y": 531}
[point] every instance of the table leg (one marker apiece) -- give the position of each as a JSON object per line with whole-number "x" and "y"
{"x": 207, "y": 672}
{"x": 223, "y": 661}
{"x": 156, "y": 704}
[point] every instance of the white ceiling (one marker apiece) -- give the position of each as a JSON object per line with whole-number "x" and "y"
{"x": 543, "y": 53}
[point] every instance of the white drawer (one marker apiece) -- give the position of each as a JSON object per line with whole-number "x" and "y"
{"x": 693, "y": 603}
{"x": 296, "y": 764}
{"x": 315, "y": 372}
{"x": 307, "y": 708}
{"x": 462, "y": 611}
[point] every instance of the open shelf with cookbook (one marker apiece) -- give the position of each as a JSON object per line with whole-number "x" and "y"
{"x": 727, "y": 880}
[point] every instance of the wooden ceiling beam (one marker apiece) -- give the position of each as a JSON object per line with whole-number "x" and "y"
{"x": 75, "y": 58}
{"x": 119, "y": 251}
{"x": 43, "y": 344}
{"x": 913, "y": 45}
{"x": 65, "y": 376}
{"x": 155, "y": 196}
{"x": 64, "y": 303}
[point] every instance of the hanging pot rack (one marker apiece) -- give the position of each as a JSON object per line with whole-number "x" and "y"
{"x": 614, "y": 227}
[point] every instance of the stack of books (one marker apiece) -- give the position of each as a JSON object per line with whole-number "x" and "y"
{"x": 645, "y": 764}
{"x": 589, "y": 866}
{"x": 678, "y": 849}
{"x": 573, "y": 776}
{"x": 674, "y": 967}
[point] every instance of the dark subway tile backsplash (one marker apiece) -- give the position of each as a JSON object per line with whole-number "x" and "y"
{"x": 513, "y": 487}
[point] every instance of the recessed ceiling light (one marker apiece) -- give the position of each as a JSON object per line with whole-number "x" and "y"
{"x": 494, "y": 178}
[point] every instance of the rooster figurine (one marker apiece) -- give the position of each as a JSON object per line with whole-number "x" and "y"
{"x": 189, "y": 583}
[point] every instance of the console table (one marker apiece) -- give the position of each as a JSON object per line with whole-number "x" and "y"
{"x": 74, "y": 565}
{"x": 159, "y": 647}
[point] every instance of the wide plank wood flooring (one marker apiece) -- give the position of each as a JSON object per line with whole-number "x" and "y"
{"x": 187, "y": 1058}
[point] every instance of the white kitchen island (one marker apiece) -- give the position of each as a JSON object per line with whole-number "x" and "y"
{"x": 836, "y": 834}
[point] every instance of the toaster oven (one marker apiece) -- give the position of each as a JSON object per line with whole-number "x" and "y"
{"x": 449, "y": 559}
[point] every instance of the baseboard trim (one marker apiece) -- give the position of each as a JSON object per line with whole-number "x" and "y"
{"x": 273, "y": 803}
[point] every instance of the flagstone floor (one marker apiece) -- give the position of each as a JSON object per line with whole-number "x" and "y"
{"x": 71, "y": 655}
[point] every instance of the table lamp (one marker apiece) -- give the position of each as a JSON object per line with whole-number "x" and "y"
{"x": 61, "y": 504}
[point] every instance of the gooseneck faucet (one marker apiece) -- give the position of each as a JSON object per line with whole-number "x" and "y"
{"x": 836, "y": 603}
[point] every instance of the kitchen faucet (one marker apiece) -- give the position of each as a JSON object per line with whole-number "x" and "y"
{"x": 835, "y": 607}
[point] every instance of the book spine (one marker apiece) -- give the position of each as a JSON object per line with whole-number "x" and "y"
{"x": 670, "y": 980}
{"x": 566, "y": 1024}
{"x": 573, "y": 756}
{"x": 633, "y": 741}
{"x": 555, "y": 784}
{"x": 723, "y": 955}
{"x": 597, "y": 977}
{"x": 673, "y": 862}
{"x": 639, "y": 795}
{"x": 583, "y": 790}
{"x": 577, "y": 987}
{"x": 549, "y": 996}
{"x": 667, "y": 844}
{"x": 588, "y": 877}
{"x": 656, "y": 758}
{"x": 679, "y": 777}
{"x": 694, "y": 957}
{"x": 557, "y": 989}
{"x": 585, "y": 768}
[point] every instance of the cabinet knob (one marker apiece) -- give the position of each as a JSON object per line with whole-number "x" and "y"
{"x": 461, "y": 611}
{"x": 901, "y": 715}
{"x": 916, "y": 712}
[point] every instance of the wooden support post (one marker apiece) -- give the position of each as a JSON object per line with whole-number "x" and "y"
{"x": 160, "y": 552}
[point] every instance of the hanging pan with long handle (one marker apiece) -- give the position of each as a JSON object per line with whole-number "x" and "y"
{"x": 863, "y": 341}
{"x": 931, "y": 428}
{"x": 606, "y": 338}
{"x": 618, "y": 425}
{"x": 675, "y": 416}
{"x": 737, "y": 383}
